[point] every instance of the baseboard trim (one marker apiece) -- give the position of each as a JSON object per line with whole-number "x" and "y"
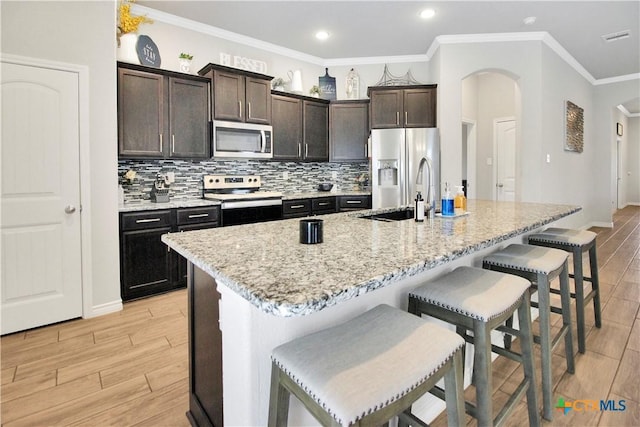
{"x": 106, "y": 308}
{"x": 600, "y": 224}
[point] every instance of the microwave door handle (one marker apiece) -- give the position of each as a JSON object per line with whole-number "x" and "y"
{"x": 263, "y": 138}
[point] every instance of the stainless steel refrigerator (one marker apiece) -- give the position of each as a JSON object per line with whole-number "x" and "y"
{"x": 403, "y": 162}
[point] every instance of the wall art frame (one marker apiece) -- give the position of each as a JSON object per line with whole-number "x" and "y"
{"x": 574, "y": 128}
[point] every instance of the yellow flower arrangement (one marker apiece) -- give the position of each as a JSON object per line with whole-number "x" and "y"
{"x": 128, "y": 23}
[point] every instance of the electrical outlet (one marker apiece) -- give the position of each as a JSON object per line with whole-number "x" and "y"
{"x": 285, "y": 175}
{"x": 334, "y": 175}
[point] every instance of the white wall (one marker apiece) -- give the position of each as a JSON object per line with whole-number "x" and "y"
{"x": 81, "y": 33}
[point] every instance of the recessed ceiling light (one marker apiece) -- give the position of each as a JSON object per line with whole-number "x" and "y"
{"x": 529, "y": 20}
{"x": 427, "y": 13}
{"x": 322, "y": 35}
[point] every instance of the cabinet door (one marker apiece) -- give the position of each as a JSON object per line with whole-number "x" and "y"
{"x": 286, "y": 119}
{"x": 350, "y": 203}
{"x": 181, "y": 280}
{"x": 296, "y": 208}
{"x": 146, "y": 266}
{"x": 140, "y": 114}
{"x": 316, "y": 131}
{"x": 386, "y": 108}
{"x": 258, "y": 96}
{"x": 420, "y": 108}
{"x": 228, "y": 96}
{"x": 188, "y": 118}
{"x": 349, "y": 132}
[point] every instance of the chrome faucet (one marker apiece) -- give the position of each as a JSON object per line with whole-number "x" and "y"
{"x": 430, "y": 202}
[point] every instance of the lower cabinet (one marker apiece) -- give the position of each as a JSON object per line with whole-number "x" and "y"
{"x": 352, "y": 203}
{"x": 147, "y": 266}
{"x": 299, "y": 208}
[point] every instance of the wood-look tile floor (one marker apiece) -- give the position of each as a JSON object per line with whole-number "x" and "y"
{"x": 131, "y": 368}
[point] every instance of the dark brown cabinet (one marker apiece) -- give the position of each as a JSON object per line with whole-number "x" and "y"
{"x": 239, "y": 95}
{"x": 300, "y": 128}
{"x": 349, "y": 131}
{"x": 352, "y": 203}
{"x": 162, "y": 114}
{"x": 296, "y": 208}
{"x": 147, "y": 266}
{"x": 402, "y": 106}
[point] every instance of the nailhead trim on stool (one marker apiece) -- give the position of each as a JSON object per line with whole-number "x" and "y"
{"x": 540, "y": 266}
{"x": 481, "y": 300}
{"x": 576, "y": 242}
{"x": 367, "y": 370}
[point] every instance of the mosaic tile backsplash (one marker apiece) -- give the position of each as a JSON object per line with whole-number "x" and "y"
{"x": 303, "y": 177}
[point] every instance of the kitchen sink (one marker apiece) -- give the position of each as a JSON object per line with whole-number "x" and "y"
{"x": 399, "y": 215}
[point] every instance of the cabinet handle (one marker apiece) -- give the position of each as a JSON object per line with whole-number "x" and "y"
{"x": 161, "y": 143}
{"x": 240, "y": 108}
{"x": 354, "y": 202}
{"x": 323, "y": 203}
{"x": 299, "y": 149}
{"x": 248, "y": 110}
{"x": 143, "y": 221}
{"x": 306, "y": 150}
{"x": 297, "y": 206}
{"x": 173, "y": 143}
{"x": 406, "y": 118}
{"x": 397, "y": 118}
{"x": 366, "y": 150}
{"x": 204, "y": 215}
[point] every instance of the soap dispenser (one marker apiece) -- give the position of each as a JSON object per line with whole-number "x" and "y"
{"x": 419, "y": 212}
{"x": 447, "y": 201}
{"x": 460, "y": 201}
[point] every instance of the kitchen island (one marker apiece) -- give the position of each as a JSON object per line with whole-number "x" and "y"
{"x": 253, "y": 287}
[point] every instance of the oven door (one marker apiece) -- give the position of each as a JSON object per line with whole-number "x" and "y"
{"x": 251, "y": 214}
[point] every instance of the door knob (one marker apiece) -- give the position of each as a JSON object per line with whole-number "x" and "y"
{"x": 70, "y": 209}
{"x": 499, "y": 185}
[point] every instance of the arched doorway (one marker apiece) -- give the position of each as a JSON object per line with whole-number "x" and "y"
{"x": 490, "y": 98}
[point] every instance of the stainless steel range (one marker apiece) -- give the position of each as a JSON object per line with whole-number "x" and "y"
{"x": 242, "y": 201}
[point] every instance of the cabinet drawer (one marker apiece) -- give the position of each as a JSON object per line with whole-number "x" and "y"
{"x": 296, "y": 208}
{"x": 354, "y": 202}
{"x": 197, "y": 215}
{"x": 323, "y": 205}
{"x": 146, "y": 219}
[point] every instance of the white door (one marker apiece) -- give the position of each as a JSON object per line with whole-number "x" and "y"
{"x": 40, "y": 194}
{"x": 505, "y": 133}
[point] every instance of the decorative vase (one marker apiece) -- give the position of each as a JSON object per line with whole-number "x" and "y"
{"x": 185, "y": 65}
{"x": 127, "y": 50}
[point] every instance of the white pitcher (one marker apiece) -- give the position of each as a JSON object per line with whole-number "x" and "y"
{"x": 296, "y": 81}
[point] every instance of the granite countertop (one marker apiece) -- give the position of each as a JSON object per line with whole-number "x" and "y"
{"x": 144, "y": 205}
{"x": 265, "y": 263}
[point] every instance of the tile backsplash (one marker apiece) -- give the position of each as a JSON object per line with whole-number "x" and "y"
{"x": 302, "y": 177}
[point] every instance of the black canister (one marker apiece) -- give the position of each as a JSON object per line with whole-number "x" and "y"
{"x": 310, "y": 231}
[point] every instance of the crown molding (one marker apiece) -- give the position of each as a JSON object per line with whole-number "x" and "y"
{"x": 542, "y": 36}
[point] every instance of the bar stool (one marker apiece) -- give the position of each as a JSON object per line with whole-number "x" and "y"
{"x": 540, "y": 266}
{"x": 576, "y": 242}
{"x": 480, "y": 301}
{"x": 367, "y": 370}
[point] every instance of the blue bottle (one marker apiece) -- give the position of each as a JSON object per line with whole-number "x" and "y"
{"x": 447, "y": 202}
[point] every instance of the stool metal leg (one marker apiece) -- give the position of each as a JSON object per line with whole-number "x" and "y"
{"x": 595, "y": 284}
{"x": 528, "y": 362}
{"x": 482, "y": 371}
{"x": 579, "y": 284}
{"x": 544, "y": 305}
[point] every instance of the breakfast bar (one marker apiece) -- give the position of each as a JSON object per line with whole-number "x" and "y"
{"x": 253, "y": 287}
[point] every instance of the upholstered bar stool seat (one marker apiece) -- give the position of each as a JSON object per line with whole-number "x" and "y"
{"x": 576, "y": 242}
{"x": 367, "y": 370}
{"x": 480, "y": 301}
{"x": 541, "y": 265}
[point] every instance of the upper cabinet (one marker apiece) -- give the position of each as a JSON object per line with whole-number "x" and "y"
{"x": 300, "y": 128}
{"x": 162, "y": 114}
{"x": 402, "y": 106}
{"x": 348, "y": 131}
{"x": 239, "y": 95}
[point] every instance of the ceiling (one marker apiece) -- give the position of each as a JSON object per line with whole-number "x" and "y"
{"x": 362, "y": 29}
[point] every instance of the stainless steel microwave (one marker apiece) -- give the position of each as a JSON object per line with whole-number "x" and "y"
{"x": 242, "y": 140}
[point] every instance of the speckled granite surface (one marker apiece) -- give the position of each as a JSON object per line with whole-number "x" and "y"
{"x": 143, "y": 205}
{"x": 266, "y": 264}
